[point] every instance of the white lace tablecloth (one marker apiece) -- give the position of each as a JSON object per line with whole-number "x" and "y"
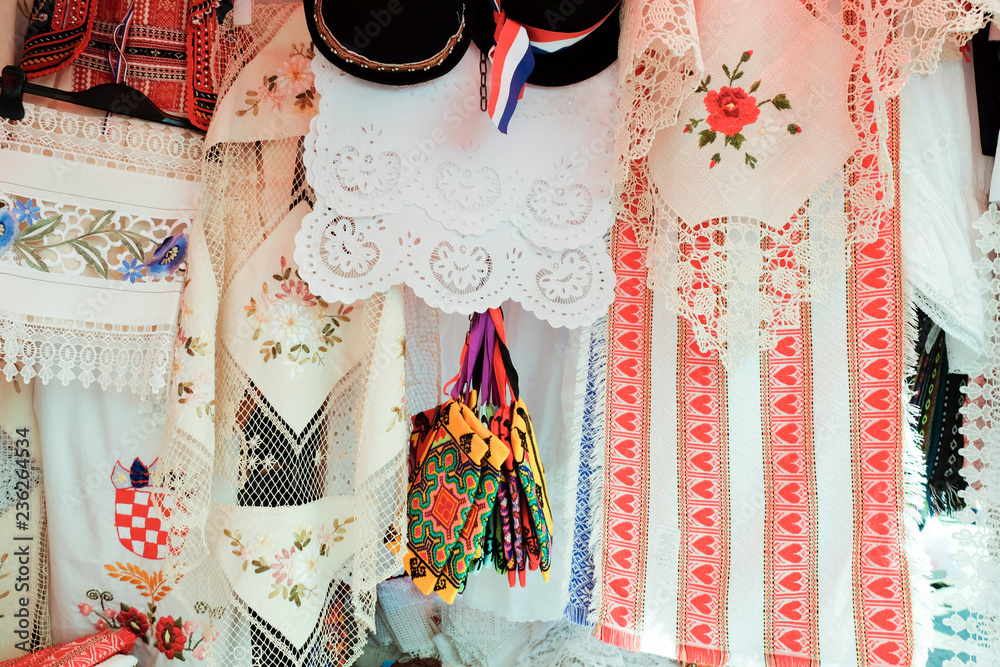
{"x": 414, "y": 185}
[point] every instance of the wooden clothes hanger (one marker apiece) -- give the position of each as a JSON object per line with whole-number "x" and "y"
{"x": 116, "y": 98}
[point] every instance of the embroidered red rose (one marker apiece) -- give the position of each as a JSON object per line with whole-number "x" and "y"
{"x": 134, "y": 620}
{"x": 170, "y": 637}
{"x": 730, "y": 109}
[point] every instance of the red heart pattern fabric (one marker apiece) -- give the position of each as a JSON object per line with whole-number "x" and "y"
{"x": 703, "y": 477}
{"x": 627, "y": 446}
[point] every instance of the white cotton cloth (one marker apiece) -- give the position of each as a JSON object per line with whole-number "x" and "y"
{"x": 942, "y": 192}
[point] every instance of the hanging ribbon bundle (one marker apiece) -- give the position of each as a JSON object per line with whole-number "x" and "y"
{"x": 476, "y": 485}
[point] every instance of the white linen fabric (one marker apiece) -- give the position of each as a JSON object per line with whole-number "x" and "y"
{"x": 414, "y": 185}
{"x": 942, "y": 193}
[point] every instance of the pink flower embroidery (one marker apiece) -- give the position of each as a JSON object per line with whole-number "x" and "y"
{"x": 283, "y": 567}
{"x": 190, "y": 627}
{"x": 85, "y": 608}
{"x": 101, "y": 624}
{"x": 295, "y": 75}
{"x": 199, "y": 653}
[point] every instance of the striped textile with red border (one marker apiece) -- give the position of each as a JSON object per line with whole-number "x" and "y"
{"x": 875, "y": 321}
{"x": 626, "y": 465}
{"x": 791, "y": 604}
{"x": 703, "y": 487}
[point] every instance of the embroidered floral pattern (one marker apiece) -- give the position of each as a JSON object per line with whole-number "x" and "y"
{"x": 173, "y": 637}
{"x": 28, "y": 235}
{"x": 297, "y": 327}
{"x": 296, "y": 568}
{"x": 292, "y": 82}
{"x": 191, "y": 386}
{"x": 730, "y": 110}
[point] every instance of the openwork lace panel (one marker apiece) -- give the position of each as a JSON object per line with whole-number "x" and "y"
{"x": 288, "y": 412}
{"x": 702, "y": 274}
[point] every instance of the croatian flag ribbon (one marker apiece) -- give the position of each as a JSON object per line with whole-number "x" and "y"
{"x": 513, "y": 58}
{"x": 119, "y": 66}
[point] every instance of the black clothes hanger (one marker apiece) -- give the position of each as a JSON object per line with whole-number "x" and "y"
{"x": 112, "y": 97}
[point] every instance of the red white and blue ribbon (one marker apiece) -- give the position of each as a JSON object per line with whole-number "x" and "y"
{"x": 513, "y": 58}
{"x": 116, "y": 58}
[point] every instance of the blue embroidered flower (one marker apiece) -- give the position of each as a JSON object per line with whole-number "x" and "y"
{"x": 168, "y": 256}
{"x": 26, "y": 211}
{"x": 131, "y": 270}
{"x": 8, "y": 231}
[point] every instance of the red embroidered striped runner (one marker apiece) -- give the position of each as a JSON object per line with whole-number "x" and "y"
{"x": 626, "y": 464}
{"x": 882, "y": 605}
{"x": 791, "y": 604}
{"x": 703, "y": 484}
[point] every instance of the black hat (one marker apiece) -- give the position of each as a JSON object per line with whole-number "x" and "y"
{"x": 396, "y": 42}
{"x": 573, "y": 64}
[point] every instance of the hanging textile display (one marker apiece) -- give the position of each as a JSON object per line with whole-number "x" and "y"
{"x": 976, "y": 638}
{"x": 415, "y": 185}
{"x": 162, "y": 49}
{"x": 477, "y": 489}
{"x": 93, "y": 274}
{"x": 286, "y": 421}
{"x": 755, "y": 530}
{"x": 714, "y": 244}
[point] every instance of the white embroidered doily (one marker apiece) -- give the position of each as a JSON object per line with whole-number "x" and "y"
{"x": 414, "y": 185}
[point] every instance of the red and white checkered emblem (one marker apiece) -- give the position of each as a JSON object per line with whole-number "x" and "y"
{"x": 140, "y": 511}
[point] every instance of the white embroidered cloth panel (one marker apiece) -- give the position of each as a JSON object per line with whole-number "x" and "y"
{"x": 415, "y": 185}
{"x": 94, "y": 217}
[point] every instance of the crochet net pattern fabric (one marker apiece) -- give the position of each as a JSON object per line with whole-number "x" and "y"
{"x": 701, "y": 273}
{"x": 291, "y": 493}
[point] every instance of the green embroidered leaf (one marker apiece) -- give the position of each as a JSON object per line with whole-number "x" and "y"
{"x": 737, "y": 140}
{"x": 755, "y": 86}
{"x": 30, "y": 257}
{"x": 750, "y": 161}
{"x": 40, "y": 229}
{"x": 91, "y": 256}
{"x": 725, "y": 70}
{"x": 705, "y": 137}
{"x": 781, "y": 102}
{"x": 133, "y": 242}
{"x": 737, "y": 75}
{"x": 100, "y": 223}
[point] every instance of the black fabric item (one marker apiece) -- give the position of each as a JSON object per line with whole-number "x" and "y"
{"x": 576, "y": 63}
{"x": 986, "y": 64}
{"x": 393, "y": 35}
{"x": 944, "y": 472}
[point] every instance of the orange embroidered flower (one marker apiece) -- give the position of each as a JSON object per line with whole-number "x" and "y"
{"x": 730, "y": 109}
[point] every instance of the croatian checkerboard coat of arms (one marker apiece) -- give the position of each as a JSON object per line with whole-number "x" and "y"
{"x": 140, "y": 510}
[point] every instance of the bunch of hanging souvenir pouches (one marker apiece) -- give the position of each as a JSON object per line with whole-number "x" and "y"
{"x": 476, "y": 483}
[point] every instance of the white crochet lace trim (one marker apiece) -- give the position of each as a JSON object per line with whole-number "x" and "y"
{"x": 345, "y": 259}
{"x": 978, "y": 547}
{"x": 133, "y": 357}
{"x": 125, "y": 144}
